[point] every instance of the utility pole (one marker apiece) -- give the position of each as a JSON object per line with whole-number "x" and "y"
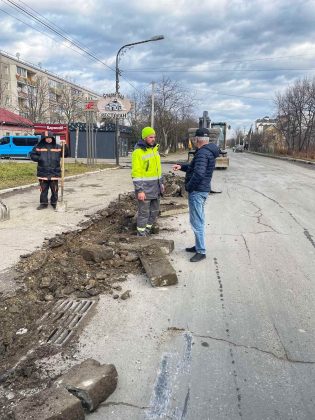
{"x": 152, "y": 105}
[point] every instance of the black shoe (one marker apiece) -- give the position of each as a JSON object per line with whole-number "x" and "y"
{"x": 191, "y": 249}
{"x": 42, "y": 206}
{"x": 53, "y": 206}
{"x": 197, "y": 257}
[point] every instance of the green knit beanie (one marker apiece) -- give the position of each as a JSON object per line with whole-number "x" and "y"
{"x": 147, "y": 131}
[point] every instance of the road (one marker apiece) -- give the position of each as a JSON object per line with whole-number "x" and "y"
{"x": 235, "y": 339}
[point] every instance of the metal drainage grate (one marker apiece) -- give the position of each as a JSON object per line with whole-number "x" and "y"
{"x": 61, "y": 321}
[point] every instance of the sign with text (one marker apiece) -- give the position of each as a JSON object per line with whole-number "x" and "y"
{"x": 113, "y": 104}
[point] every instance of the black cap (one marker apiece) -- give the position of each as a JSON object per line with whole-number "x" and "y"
{"x": 202, "y": 132}
{"x": 50, "y": 134}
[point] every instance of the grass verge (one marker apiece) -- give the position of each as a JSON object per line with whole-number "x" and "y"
{"x": 15, "y": 174}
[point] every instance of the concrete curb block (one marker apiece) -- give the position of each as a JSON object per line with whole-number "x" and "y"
{"x": 51, "y": 404}
{"x": 68, "y": 178}
{"x": 157, "y": 267}
{"x": 91, "y": 382}
{"x": 308, "y": 162}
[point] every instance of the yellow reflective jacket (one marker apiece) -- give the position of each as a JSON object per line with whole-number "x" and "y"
{"x": 146, "y": 170}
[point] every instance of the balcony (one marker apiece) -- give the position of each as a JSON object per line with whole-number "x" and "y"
{"x": 21, "y": 79}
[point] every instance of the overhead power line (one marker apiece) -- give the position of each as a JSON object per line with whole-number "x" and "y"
{"x": 56, "y": 30}
{"x": 212, "y": 70}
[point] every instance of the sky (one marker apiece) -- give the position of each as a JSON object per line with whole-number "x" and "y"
{"x": 234, "y": 56}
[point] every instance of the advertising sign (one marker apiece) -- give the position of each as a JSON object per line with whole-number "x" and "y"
{"x": 113, "y": 104}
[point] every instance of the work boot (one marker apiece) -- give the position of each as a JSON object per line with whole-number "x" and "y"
{"x": 191, "y": 249}
{"x": 42, "y": 206}
{"x": 142, "y": 233}
{"x": 197, "y": 257}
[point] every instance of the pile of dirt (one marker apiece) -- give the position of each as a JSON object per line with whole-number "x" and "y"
{"x": 174, "y": 186}
{"x": 76, "y": 264}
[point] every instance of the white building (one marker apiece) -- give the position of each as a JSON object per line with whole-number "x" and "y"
{"x": 19, "y": 82}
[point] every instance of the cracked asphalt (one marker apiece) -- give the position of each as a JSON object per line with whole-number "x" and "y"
{"x": 235, "y": 339}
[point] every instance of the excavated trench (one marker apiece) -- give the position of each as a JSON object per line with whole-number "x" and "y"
{"x": 58, "y": 286}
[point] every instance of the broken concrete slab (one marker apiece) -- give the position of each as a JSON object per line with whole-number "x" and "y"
{"x": 157, "y": 267}
{"x": 137, "y": 244}
{"x": 174, "y": 206}
{"x": 91, "y": 382}
{"x": 174, "y": 210}
{"x": 50, "y": 404}
{"x": 96, "y": 253}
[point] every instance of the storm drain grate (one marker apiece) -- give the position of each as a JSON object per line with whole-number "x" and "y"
{"x": 59, "y": 323}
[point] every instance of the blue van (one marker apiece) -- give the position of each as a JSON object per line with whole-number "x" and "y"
{"x": 17, "y": 146}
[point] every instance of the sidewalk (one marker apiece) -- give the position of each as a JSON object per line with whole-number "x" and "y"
{"x": 84, "y": 195}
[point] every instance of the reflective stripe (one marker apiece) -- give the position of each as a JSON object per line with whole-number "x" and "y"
{"x": 149, "y": 155}
{"x": 46, "y": 150}
{"x": 151, "y": 178}
{"x": 140, "y": 229}
{"x": 53, "y": 178}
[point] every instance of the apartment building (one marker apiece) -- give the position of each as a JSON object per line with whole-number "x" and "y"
{"x": 38, "y": 94}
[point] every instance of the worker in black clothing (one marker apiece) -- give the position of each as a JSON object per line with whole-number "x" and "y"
{"x": 47, "y": 153}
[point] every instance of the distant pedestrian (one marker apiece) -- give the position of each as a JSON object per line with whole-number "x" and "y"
{"x": 147, "y": 179}
{"x": 197, "y": 183}
{"x": 47, "y": 153}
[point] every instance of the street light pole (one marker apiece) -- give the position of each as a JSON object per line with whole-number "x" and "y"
{"x": 154, "y": 38}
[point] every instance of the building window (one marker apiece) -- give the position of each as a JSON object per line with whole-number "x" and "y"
{"x": 6, "y": 69}
{"x": 21, "y": 72}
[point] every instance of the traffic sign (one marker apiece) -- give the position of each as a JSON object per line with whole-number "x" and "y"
{"x": 113, "y": 104}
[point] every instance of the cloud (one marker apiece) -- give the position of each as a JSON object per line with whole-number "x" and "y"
{"x": 234, "y": 54}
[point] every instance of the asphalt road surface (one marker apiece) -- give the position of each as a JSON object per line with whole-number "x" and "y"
{"x": 236, "y": 338}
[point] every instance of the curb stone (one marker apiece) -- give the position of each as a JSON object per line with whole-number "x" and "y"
{"x": 91, "y": 382}
{"x": 50, "y": 404}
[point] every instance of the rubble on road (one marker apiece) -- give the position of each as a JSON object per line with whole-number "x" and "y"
{"x": 81, "y": 264}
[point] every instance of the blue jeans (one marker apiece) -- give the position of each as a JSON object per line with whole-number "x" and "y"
{"x": 196, "y": 201}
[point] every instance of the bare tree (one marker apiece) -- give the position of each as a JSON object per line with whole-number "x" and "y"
{"x": 70, "y": 104}
{"x": 173, "y": 105}
{"x": 296, "y": 115}
{"x": 36, "y": 105}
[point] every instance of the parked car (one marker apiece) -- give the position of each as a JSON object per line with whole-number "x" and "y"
{"x": 17, "y": 146}
{"x": 239, "y": 148}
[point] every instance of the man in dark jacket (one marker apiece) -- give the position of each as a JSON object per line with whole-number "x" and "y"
{"x": 197, "y": 183}
{"x": 48, "y": 155}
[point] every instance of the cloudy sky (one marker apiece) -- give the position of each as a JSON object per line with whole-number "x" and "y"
{"x": 233, "y": 55}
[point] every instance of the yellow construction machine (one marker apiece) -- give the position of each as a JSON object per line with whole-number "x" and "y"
{"x": 217, "y": 135}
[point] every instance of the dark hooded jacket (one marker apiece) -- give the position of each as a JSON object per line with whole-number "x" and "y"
{"x": 199, "y": 171}
{"x": 48, "y": 157}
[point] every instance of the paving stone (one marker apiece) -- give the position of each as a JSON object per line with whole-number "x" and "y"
{"x": 157, "y": 267}
{"x": 91, "y": 382}
{"x": 50, "y": 404}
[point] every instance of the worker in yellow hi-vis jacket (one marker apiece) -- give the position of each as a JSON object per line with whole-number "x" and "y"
{"x": 147, "y": 179}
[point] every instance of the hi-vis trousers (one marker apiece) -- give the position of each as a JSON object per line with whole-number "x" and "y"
{"x": 148, "y": 211}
